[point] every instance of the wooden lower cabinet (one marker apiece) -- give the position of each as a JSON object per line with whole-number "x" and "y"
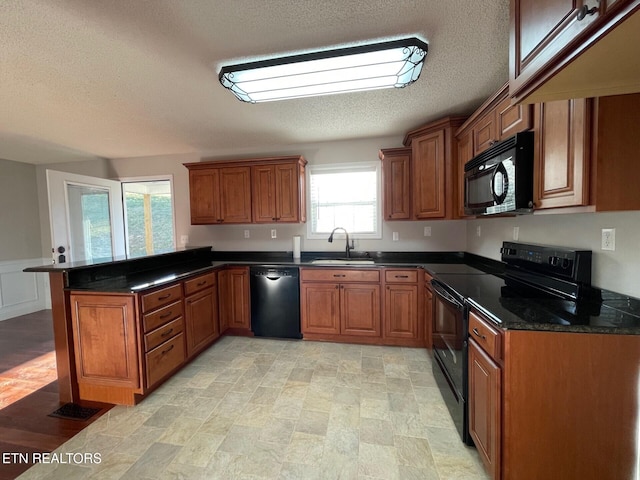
{"x": 334, "y": 309}
{"x": 428, "y": 312}
{"x": 106, "y": 341}
{"x": 484, "y": 407}
{"x": 348, "y": 305}
{"x": 201, "y": 318}
{"x": 320, "y": 308}
{"x": 401, "y": 311}
{"x": 548, "y": 404}
{"x": 360, "y": 309}
{"x": 127, "y": 344}
{"x": 234, "y": 300}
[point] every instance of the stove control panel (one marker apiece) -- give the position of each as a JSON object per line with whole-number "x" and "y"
{"x": 559, "y": 262}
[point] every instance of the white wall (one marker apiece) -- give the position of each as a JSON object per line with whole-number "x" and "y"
{"x": 618, "y": 270}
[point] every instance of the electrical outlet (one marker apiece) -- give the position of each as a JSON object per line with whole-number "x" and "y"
{"x": 427, "y": 231}
{"x": 608, "y": 239}
{"x": 395, "y": 236}
{"x": 274, "y": 234}
{"x": 184, "y": 239}
{"x": 478, "y": 231}
{"x": 516, "y": 233}
{"x": 247, "y": 234}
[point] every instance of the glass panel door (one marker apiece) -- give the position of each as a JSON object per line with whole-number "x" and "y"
{"x": 86, "y": 217}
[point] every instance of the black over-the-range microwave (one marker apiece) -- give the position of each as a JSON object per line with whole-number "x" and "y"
{"x": 500, "y": 179}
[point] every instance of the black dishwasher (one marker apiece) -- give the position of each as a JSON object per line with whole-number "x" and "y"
{"x": 275, "y": 302}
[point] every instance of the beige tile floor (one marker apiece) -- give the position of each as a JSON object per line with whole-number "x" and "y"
{"x": 251, "y": 408}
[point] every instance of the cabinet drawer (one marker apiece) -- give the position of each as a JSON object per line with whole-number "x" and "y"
{"x": 151, "y": 321}
{"x": 164, "y": 359}
{"x": 488, "y": 338}
{"x": 401, "y": 276}
{"x": 339, "y": 275}
{"x": 162, "y": 334}
{"x": 199, "y": 283}
{"x": 162, "y": 297}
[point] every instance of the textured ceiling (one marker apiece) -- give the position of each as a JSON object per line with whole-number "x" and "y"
{"x": 128, "y": 78}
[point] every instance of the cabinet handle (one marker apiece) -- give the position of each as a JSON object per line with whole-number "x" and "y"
{"x": 338, "y": 275}
{"x": 164, "y": 297}
{"x": 166, "y": 315}
{"x": 584, "y": 11}
{"x": 167, "y": 333}
{"x": 203, "y": 282}
{"x": 168, "y": 349}
{"x": 337, "y": 287}
{"x": 273, "y": 218}
{"x": 477, "y": 333}
{"x": 402, "y": 276}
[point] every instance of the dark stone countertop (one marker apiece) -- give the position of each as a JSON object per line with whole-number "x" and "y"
{"x": 474, "y": 277}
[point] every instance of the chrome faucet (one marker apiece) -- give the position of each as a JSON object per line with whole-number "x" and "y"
{"x": 348, "y": 248}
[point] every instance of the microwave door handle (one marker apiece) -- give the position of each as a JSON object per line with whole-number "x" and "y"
{"x": 500, "y": 198}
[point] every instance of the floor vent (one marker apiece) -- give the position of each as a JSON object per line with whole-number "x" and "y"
{"x": 71, "y": 411}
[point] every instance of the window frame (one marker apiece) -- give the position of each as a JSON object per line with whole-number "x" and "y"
{"x": 149, "y": 178}
{"x": 346, "y": 168}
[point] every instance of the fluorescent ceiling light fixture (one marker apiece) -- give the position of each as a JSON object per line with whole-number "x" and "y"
{"x": 366, "y": 67}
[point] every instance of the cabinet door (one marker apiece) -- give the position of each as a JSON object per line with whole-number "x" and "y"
{"x": 484, "y": 133}
{"x": 235, "y": 194}
{"x": 360, "y": 309}
{"x": 429, "y": 176}
{"x": 204, "y": 196}
{"x": 105, "y": 335}
{"x": 201, "y": 317}
{"x": 396, "y": 178}
{"x": 540, "y": 30}
{"x": 320, "y": 308}
{"x": 428, "y": 318}
{"x": 562, "y": 154}
{"x": 401, "y": 311}
{"x": 234, "y": 298}
{"x": 511, "y": 119}
{"x": 287, "y": 193}
{"x": 485, "y": 407}
{"x": 263, "y": 193}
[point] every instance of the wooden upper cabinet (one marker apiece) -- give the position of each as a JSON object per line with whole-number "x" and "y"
{"x": 235, "y": 194}
{"x": 561, "y": 162}
{"x": 265, "y": 190}
{"x": 204, "y": 196}
{"x": 220, "y": 195}
{"x": 396, "y": 183}
{"x": 561, "y": 49}
{"x": 433, "y": 168}
{"x": 276, "y": 193}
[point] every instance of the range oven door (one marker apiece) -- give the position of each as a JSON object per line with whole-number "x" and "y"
{"x": 450, "y": 355}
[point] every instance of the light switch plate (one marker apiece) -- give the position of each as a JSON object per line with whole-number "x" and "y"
{"x": 274, "y": 234}
{"x": 246, "y": 234}
{"x": 516, "y": 233}
{"x": 427, "y": 231}
{"x": 184, "y": 239}
{"x": 395, "y": 236}
{"x": 478, "y": 231}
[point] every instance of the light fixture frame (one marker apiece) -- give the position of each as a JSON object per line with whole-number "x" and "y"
{"x": 415, "y": 55}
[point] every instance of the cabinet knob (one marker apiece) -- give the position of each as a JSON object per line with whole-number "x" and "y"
{"x": 584, "y": 11}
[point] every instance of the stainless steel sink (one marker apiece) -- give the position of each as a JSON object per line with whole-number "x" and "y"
{"x": 342, "y": 261}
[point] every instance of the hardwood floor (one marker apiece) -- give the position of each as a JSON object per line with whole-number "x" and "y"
{"x": 29, "y": 393}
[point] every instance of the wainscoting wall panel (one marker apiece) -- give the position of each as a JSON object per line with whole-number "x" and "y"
{"x": 22, "y": 293}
